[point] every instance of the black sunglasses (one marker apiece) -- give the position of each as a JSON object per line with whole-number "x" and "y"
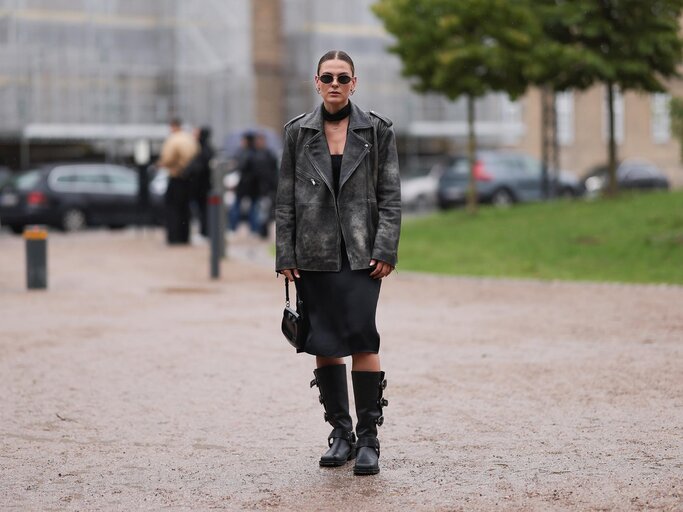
{"x": 327, "y": 78}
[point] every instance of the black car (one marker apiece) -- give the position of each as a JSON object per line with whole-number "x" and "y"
{"x": 502, "y": 178}
{"x": 72, "y": 196}
{"x": 631, "y": 175}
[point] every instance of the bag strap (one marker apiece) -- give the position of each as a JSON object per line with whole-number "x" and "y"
{"x": 286, "y": 292}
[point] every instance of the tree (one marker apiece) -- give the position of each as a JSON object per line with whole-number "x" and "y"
{"x": 624, "y": 44}
{"x": 463, "y": 48}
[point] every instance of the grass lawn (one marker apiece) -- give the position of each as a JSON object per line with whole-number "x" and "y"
{"x": 634, "y": 238}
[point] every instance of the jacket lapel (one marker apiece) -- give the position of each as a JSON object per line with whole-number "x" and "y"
{"x": 316, "y": 148}
{"x": 356, "y": 147}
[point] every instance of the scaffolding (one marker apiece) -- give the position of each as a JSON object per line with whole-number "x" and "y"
{"x": 124, "y": 62}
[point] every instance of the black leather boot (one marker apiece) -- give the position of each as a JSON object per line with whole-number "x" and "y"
{"x": 368, "y": 388}
{"x": 334, "y": 395}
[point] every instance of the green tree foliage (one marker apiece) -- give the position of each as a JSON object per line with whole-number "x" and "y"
{"x": 463, "y": 48}
{"x": 624, "y": 44}
{"x": 472, "y": 47}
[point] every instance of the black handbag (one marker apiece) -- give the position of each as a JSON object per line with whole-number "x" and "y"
{"x": 294, "y": 325}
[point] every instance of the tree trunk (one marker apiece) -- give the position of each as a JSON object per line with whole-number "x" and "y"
{"x": 545, "y": 140}
{"x": 612, "y": 164}
{"x": 472, "y": 155}
{"x": 554, "y": 189}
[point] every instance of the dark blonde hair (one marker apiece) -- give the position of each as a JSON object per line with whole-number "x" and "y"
{"x": 336, "y": 54}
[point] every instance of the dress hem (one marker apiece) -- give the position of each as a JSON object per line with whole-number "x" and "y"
{"x": 344, "y": 355}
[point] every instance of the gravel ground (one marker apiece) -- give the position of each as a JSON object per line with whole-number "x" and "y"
{"x": 136, "y": 383}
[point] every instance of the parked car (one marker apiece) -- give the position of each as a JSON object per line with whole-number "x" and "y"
{"x": 419, "y": 186}
{"x": 72, "y": 196}
{"x": 502, "y": 178}
{"x": 634, "y": 174}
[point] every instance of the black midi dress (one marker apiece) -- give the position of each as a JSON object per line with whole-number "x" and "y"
{"x": 340, "y": 306}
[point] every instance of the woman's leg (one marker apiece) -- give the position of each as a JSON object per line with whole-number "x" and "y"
{"x": 330, "y": 377}
{"x": 368, "y": 389}
{"x": 366, "y": 362}
{"x": 321, "y": 361}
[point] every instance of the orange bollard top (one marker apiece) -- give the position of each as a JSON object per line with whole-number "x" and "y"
{"x": 35, "y": 233}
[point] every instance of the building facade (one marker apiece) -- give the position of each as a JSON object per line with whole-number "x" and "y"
{"x": 73, "y": 71}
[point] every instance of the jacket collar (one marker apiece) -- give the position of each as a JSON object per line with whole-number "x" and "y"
{"x": 357, "y": 119}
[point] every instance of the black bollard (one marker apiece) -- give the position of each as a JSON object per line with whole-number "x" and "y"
{"x": 215, "y": 234}
{"x": 36, "y": 257}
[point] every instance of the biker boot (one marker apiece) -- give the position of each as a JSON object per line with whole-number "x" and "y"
{"x": 368, "y": 388}
{"x": 334, "y": 396}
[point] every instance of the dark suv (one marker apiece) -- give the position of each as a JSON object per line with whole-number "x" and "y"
{"x": 72, "y": 196}
{"x": 502, "y": 178}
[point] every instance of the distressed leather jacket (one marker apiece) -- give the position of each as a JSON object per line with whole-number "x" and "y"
{"x": 310, "y": 221}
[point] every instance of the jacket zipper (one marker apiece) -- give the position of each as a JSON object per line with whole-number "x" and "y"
{"x": 336, "y": 207}
{"x": 306, "y": 177}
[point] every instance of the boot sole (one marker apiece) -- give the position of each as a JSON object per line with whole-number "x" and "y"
{"x": 332, "y": 464}
{"x": 336, "y": 464}
{"x": 364, "y": 472}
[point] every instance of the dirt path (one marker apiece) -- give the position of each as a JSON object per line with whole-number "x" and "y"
{"x": 135, "y": 383}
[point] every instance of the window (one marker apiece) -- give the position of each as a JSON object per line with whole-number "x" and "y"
{"x": 122, "y": 181}
{"x": 511, "y": 113}
{"x": 618, "y": 102}
{"x": 564, "y": 104}
{"x": 661, "y": 123}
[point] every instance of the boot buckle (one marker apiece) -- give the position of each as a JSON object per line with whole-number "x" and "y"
{"x": 314, "y": 382}
{"x": 383, "y": 384}
{"x": 379, "y": 421}
{"x": 383, "y": 402}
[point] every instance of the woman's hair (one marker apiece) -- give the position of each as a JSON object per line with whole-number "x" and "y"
{"x": 337, "y": 54}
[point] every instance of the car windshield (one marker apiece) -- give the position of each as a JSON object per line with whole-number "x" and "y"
{"x": 26, "y": 180}
{"x": 460, "y": 167}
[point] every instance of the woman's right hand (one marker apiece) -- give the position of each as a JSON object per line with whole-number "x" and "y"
{"x": 290, "y": 274}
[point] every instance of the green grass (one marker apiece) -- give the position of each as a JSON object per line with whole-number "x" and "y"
{"x": 634, "y": 238}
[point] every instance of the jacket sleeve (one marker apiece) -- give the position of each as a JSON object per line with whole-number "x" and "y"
{"x": 388, "y": 198}
{"x": 285, "y": 213}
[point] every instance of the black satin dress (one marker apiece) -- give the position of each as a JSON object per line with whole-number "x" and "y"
{"x": 340, "y": 306}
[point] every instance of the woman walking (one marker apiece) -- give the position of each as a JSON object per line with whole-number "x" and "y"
{"x": 338, "y": 217}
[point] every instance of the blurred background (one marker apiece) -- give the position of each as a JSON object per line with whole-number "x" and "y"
{"x": 87, "y": 80}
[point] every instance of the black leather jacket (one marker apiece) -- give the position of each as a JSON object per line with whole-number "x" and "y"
{"x": 367, "y": 211}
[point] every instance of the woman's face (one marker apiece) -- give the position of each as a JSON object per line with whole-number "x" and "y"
{"x": 334, "y": 94}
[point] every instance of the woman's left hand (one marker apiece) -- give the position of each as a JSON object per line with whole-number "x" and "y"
{"x": 382, "y": 269}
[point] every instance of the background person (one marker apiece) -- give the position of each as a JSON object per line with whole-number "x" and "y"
{"x": 268, "y": 171}
{"x": 199, "y": 177}
{"x": 178, "y": 150}
{"x": 256, "y": 170}
{"x": 338, "y": 217}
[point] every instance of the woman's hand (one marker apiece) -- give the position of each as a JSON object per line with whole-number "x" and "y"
{"x": 290, "y": 274}
{"x": 382, "y": 269}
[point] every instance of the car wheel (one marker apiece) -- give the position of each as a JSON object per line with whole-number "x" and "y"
{"x": 73, "y": 219}
{"x": 502, "y": 198}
